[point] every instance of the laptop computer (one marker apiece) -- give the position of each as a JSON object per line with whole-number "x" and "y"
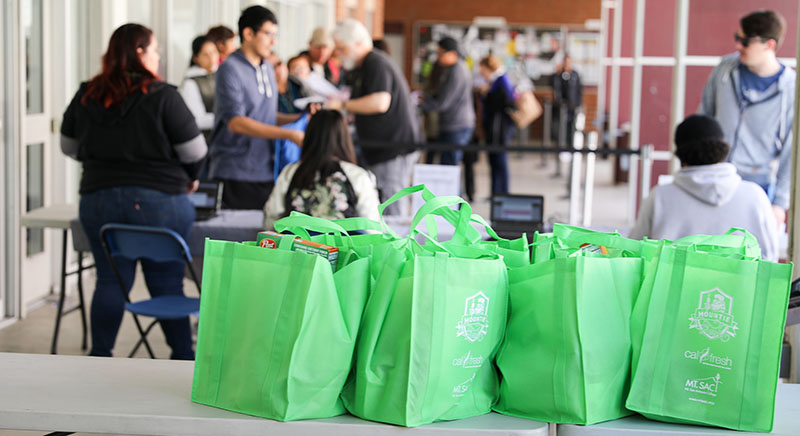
{"x": 513, "y": 215}
{"x": 207, "y": 200}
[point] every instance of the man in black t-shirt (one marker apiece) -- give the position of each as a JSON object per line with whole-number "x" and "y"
{"x": 381, "y": 102}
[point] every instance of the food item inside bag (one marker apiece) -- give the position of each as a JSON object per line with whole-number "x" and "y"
{"x": 270, "y": 239}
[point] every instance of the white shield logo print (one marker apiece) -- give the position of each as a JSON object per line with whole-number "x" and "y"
{"x": 475, "y": 322}
{"x": 714, "y": 315}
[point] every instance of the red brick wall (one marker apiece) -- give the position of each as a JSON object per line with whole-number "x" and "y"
{"x": 408, "y": 12}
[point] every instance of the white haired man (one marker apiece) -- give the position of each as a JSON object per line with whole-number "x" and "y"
{"x": 381, "y": 103}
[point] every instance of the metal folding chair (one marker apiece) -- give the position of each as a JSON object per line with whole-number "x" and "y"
{"x": 160, "y": 245}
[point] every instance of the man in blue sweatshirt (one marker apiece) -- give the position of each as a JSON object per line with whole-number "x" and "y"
{"x": 246, "y": 115}
{"x": 751, "y": 94}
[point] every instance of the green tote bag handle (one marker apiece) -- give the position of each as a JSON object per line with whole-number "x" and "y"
{"x": 467, "y": 236}
{"x": 358, "y": 224}
{"x": 745, "y": 244}
{"x": 405, "y": 192}
{"x": 434, "y": 207}
{"x": 575, "y": 236}
{"x": 299, "y": 224}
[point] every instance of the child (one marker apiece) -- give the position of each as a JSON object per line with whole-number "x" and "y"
{"x": 707, "y": 196}
{"x": 326, "y": 183}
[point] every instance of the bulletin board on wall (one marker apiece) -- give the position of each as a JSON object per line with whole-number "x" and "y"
{"x": 529, "y": 52}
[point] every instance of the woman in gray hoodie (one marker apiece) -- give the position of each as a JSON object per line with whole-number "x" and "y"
{"x": 707, "y": 196}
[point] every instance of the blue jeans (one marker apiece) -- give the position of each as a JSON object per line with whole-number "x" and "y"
{"x": 456, "y": 137}
{"x": 138, "y": 206}
{"x": 498, "y": 163}
{"x": 769, "y": 189}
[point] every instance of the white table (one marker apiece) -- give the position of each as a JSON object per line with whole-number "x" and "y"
{"x": 151, "y": 397}
{"x": 787, "y": 422}
{"x": 58, "y": 216}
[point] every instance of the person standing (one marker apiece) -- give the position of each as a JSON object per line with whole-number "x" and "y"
{"x": 567, "y": 98}
{"x": 139, "y": 147}
{"x": 224, "y": 39}
{"x": 247, "y": 115}
{"x": 320, "y": 51}
{"x": 198, "y": 86}
{"x": 453, "y": 101}
{"x": 383, "y": 110}
{"x": 498, "y": 127}
{"x": 751, "y": 94}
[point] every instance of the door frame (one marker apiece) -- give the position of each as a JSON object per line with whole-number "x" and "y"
{"x": 10, "y": 173}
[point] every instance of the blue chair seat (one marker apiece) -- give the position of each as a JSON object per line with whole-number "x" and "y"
{"x": 166, "y": 307}
{"x": 160, "y": 245}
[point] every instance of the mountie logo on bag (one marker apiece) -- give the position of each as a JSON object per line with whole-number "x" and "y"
{"x": 468, "y": 361}
{"x": 706, "y": 357}
{"x": 460, "y": 389}
{"x": 713, "y": 316}
{"x": 706, "y": 386}
{"x": 475, "y": 322}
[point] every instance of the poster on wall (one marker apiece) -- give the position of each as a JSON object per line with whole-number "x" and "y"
{"x": 584, "y": 49}
{"x": 529, "y": 53}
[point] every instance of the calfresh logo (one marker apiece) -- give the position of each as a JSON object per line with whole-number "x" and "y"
{"x": 475, "y": 322}
{"x": 468, "y": 361}
{"x": 714, "y": 315}
{"x": 707, "y": 386}
{"x": 460, "y": 389}
{"x": 706, "y": 357}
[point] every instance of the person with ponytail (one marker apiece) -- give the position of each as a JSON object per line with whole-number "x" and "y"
{"x": 140, "y": 149}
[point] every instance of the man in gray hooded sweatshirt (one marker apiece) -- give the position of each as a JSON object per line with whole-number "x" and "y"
{"x": 707, "y": 197}
{"x": 751, "y": 95}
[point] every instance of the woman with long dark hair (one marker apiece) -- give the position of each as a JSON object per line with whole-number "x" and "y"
{"x": 326, "y": 183}
{"x": 140, "y": 148}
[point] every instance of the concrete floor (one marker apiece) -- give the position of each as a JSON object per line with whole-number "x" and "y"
{"x": 34, "y": 333}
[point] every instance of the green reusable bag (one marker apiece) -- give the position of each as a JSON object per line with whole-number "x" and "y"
{"x": 566, "y": 354}
{"x": 278, "y": 329}
{"x": 711, "y": 345}
{"x": 650, "y": 252}
{"x": 430, "y": 331}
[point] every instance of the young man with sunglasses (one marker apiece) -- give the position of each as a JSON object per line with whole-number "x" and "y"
{"x": 751, "y": 94}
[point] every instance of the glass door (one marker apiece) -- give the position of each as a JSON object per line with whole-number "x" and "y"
{"x": 4, "y": 288}
{"x": 34, "y": 155}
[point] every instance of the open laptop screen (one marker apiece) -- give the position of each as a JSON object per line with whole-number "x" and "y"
{"x": 524, "y": 212}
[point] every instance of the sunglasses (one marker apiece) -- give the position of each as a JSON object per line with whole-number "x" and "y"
{"x": 746, "y": 40}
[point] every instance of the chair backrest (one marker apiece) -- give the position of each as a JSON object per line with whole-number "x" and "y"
{"x": 158, "y": 244}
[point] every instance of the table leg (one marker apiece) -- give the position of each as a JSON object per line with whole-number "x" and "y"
{"x": 62, "y": 291}
{"x": 82, "y": 301}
